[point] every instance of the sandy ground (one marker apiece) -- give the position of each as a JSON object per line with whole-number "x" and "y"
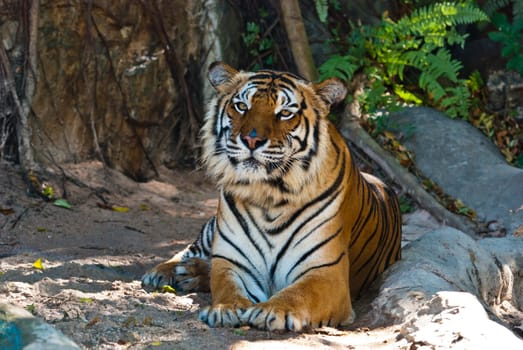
{"x": 93, "y": 258}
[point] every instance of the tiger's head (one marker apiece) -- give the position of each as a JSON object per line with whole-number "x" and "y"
{"x": 266, "y": 127}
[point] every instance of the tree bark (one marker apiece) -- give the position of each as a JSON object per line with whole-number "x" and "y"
{"x": 293, "y": 22}
{"x": 23, "y": 128}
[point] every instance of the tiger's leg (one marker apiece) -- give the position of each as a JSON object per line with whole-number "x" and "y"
{"x": 229, "y": 298}
{"x": 318, "y": 299}
{"x": 187, "y": 271}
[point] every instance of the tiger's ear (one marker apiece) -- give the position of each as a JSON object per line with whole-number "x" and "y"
{"x": 331, "y": 90}
{"x": 221, "y": 75}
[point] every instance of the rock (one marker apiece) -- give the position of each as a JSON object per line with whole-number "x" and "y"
{"x": 505, "y": 91}
{"x": 464, "y": 163}
{"x": 446, "y": 286}
{"x": 29, "y": 332}
{"x": 416, "y": 224}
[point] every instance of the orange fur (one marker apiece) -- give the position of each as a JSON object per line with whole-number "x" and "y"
{"x": 299, "y": 230}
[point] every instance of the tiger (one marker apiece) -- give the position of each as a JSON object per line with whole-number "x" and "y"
{"x": 299, "y": 231}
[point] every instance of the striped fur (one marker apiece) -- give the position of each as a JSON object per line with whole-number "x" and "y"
{"x": 299, "y": 230}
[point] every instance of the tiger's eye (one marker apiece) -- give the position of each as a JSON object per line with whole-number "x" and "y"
{"x": 241, "y": 107}
{"x": 285, "y": 114}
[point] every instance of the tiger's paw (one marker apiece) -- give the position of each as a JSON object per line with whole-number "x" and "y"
{"x": 222, "y": 315}
{"x": 191, "y": 275}
{"x": 273, "y": 317}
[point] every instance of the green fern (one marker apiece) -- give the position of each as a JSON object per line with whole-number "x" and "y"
{"x": 415, "y": 44}
{"x": 342, "y": 67}
{"x": 510, "y": 35}
{"x": 322, "y": 8}
{"x": 437, "y": 23}
{"x": 493, "y": 6}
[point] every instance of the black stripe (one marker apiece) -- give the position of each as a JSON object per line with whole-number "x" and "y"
{"x": 315, "y": 228}
{"x": 335, "y": 262}
{"x": 312, "y": 250}
{"x": 372, "y": 214}
{"x": 313, "y": 149}
{"x": 319, "y": 198}
{"x": 303, "y": 143}
{"x": 284, "y": 249}
{"x": 269, "y": 244}
{"x": 243, "y": 223}
{"x": 250, "y": 295}
{"x": 288, "y": 81}
{"x": 242, "y": 267}
{"x": 210, "y": 235}
{"x": 279, "y": 184}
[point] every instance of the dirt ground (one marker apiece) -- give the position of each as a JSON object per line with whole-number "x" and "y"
{"x": 93, "y": 257}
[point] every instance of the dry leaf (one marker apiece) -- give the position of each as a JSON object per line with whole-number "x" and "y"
{"x": 168, "y": 289}
{"x": 6, "y": 211}
{"x": 38, "y": 264}
{"x": 120, "y": 209}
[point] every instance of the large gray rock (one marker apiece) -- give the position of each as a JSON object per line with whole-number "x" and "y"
{"x": 446, "y": 286}
{"x": 464, "y": 163}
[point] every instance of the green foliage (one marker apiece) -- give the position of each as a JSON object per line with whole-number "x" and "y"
{"x": 409, "y": 58}
{"x": 258, "y": 45}
{"x": 258, "y": 40}
{"x": 339, "y": 66}
{"x": 406, "y": 205}
{"x": 492, "y": 6}
{"x": 322, "y": 8}
{"x": 510, "y": 35}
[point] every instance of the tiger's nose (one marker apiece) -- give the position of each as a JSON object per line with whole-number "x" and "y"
{"x": 252, "y": 140}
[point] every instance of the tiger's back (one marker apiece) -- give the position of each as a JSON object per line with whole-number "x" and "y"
{"x": 298, "y": 228}
{"x": 375, "y": 229}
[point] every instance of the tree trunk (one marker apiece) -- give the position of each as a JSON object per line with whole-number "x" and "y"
{"x": 291, "y": 15}
{"x": 23, "y": 128}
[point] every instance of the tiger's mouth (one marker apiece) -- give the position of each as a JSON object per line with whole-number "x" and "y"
{"x": 257, "y": 166}
{"x": 252, "y": 163}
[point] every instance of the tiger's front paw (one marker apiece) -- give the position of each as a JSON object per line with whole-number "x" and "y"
{"x": 191, "y": 275}
{"x": 274, "y": 317}
{"x": 222, "y": 315}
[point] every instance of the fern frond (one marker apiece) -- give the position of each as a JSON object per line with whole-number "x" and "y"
{"x": 435, "y": 67}
{"x": 517, "y": 9}
{"x": 492, "y": 6}
{"x": 442, "y": 65}
{"x": 456, "y": 102}
{"x": 433, "y": 87}
{"x": 339, "y": 66}
{"x": 432, "y": 22}
{"x": 322, "y": 8}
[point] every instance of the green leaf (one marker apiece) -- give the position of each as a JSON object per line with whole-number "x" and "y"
{"x": 62, "y": 203}
{"x": 406, "y": 96}
{"x": 322, "y": 8}
{"x": 239, "y": 331}
{"x": 47, "y": 190}
{"x": 339, "y": 66}
{"x": 31, "y": 308}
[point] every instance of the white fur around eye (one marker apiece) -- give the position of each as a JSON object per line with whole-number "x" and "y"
{"x": 241, "y": 107}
